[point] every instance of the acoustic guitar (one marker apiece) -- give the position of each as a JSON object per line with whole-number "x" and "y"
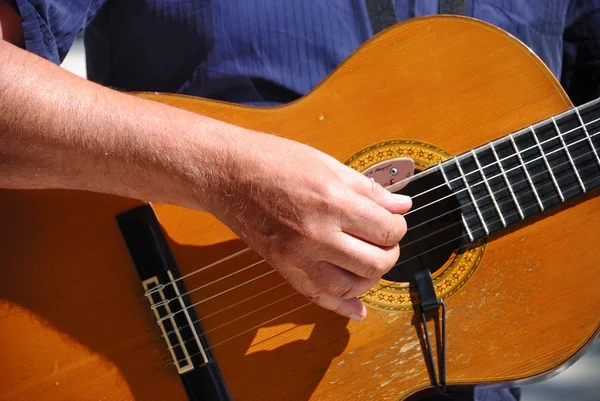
{"x": 105, "y": 298}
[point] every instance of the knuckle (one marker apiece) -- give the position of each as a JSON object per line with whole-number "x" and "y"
{"x": 384, "y": 266}
{"x": 362, "y": 286}
{"x": 316, "y": 297}
{"x": 392, "y": 231}
{"x": 351, "y": 292}
{"x": 332, "y": 201}
{"x": 370, "y": 271}
{"x": 333, "y": 192}
{"x": 339, "y": 310}
{"x": 375, "y": 269}
{"x": 375, "y": 186}
{"x": 336, "y": 285}
{"x": 309, "y": 237}
{"x": 341, "y": 290}
{"x": 402, "y": 226}
{"x": 394, "y": 254}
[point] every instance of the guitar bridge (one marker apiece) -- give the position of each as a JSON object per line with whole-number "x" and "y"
{"x": 167, "y": 319}
{"x": 165, "y": 290}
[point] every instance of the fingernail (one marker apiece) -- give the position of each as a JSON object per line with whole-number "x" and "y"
{"x": 356, "y": 317}
{"x": 401, "y": 198}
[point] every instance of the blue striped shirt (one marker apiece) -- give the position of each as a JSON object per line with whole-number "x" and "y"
{"x": 273, "y": 51}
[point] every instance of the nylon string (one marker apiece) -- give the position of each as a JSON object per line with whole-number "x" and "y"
{"x": 399, "y": 264}
{"x": 296, "y": 293}
{"x": 421, "y": 254}
{"x": 422, "y": 238}
{"x": 162, "y": 286}
{"x": 167, "y": 301}
{"x": 310, "y": 302}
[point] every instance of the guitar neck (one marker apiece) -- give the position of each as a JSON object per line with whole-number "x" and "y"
{"x": 529, "y": 171}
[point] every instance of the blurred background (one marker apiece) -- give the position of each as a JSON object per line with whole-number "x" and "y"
{"x": 579, "y": 382}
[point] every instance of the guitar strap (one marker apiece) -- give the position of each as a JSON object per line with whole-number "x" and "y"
{"x": 383, "y": 15}
{"x": 458, "y": 7}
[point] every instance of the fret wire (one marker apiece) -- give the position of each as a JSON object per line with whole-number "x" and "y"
{"x": 537, "y": 196}
{"x": 503, "y": 173}
{"x": 489, "y": 188}
{"x": 462, "y": 215}
{"x": 499, "y": 161}
{"x": 589, "y": 138}
{"x": 467, "y": 226}
{"x": 539, "y": 145}
{"x": 568, "y": 154}
{"x": 460, "y": 170}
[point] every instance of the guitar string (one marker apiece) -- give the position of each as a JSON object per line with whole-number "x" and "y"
{"x": 440, "y": 165}
{"x": 245, "y": 315}
{"x": 524, "y": 130}
{"x": 477, "y": 170}
{"x": 216, "y": 312}
{"x": 491, "y": 194}
{"x": 170, "y": 315}
{"x": 167, "y": 301}
{"x": 162, "y": 319}
{"x": 229, "y": 321}
{"x": 489, "y": 207}
{"x": 212, "y": 347}
{"x": 237, "y": 303}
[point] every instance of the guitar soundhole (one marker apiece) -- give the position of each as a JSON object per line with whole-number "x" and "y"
{"x": 435, "y": 229}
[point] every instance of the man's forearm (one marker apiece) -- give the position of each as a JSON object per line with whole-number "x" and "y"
{"x": 329, "y": 230}
{"x": 60, "y": 131}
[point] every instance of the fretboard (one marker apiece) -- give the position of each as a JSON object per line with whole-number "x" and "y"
{"x": 527, "y": 172}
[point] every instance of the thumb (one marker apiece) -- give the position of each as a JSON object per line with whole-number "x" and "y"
{"x": 394, "y": 203}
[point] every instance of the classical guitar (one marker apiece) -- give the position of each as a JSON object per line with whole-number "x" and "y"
{"x": 105, "y": 298}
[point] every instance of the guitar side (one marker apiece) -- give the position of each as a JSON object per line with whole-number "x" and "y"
{"x": 76, "y": 324}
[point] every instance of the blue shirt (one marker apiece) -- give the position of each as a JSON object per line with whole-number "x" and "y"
{"x": 273, "y": 51}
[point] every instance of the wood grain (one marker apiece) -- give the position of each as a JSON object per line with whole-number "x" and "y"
{"x": 76, "y": 326}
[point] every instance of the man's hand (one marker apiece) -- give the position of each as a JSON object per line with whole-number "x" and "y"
{"x": 329, "y": 230}
{"x": 326, "y": 228}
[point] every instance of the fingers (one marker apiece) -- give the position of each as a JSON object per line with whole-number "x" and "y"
{"x": 369, "y": 222}
{"x": 361, "y": 258}
{"x": 372, "y": 213}
{"x": 351, "y": 308}
{"x": 394, "y": 203}
{"x": 338, "y": 281}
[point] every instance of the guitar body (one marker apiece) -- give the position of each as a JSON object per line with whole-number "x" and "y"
{"x": 76, "y": 325}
